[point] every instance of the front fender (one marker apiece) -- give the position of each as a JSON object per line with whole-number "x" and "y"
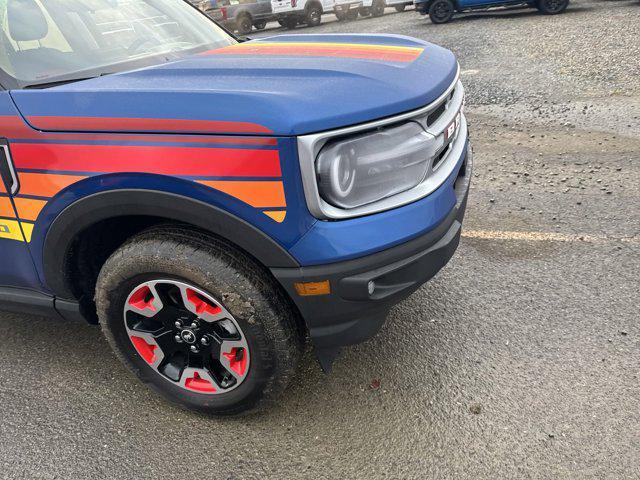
{"x": 169, "y": 198}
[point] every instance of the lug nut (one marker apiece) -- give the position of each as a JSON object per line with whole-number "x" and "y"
{"x": 194, "y": 324}
{"x": 178, "y": 324}
{"x": 178, "y": 338}
{"x": 204, "y": 341}
{"x": 194, "y": 349}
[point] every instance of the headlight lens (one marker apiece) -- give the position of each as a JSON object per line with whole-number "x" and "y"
{"x": 363, "y": 169}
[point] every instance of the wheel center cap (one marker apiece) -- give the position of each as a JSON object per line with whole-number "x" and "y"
{"x": 188, "y": 336}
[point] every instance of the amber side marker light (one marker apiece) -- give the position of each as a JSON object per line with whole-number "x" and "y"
{"x": 313, "y": 288}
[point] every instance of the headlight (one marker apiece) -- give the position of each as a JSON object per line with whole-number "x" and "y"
{"x": 362, "y": 169}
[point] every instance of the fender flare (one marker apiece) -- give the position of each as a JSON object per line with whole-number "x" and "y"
{"x": 92, "y": 209}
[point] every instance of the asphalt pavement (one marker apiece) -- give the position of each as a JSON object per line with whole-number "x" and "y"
{"x": 521, "y": 359}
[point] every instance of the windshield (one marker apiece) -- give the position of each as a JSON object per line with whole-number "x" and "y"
{"x": 44, "y": 41}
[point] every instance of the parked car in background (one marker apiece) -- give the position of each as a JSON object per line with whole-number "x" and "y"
{"x": 241, "y": 15}
{"x": 375, "y": 8}
{"x": 290, "y": 13}
{"x": 442, "y": 11}
{"x": 210, "y": 7}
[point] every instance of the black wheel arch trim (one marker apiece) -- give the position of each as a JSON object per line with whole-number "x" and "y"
{"x": 84, "y": 213}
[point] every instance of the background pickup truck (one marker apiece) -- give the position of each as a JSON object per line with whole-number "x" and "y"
{"x": 290, "y": 13}
{"x": 241, "y": 15}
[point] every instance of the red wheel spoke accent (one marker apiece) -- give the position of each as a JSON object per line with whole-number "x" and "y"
{"x": 145, "y": 349}
{"x": 199, "y": 384}
{"x": 143, "y": 299}
{"x": 237, "y": 360}
{"x": 201, "y": 305}
{"x": 182, "y": 333}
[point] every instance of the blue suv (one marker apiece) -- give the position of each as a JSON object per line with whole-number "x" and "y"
{"x": 441, "y": 11}
{"x": 195, "y": 197}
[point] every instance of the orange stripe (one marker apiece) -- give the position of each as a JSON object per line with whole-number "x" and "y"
{"x": 277, "y": 215}
{"x": 256, "y": 194}
{"x": 29, "y": 209}
{"x": 6, "y": 209}
{"x": 45, "y": 184}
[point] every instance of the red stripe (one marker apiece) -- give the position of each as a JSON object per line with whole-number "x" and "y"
{"x": 164, "y": 138}
{"x": 13, "y": 127}
{"x": 224, "y": 162}
{"x": 142, "y": 125}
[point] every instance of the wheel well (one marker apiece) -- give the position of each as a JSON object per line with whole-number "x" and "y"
{"x": 453, "y": 2}
{"x": 91, "y": 248}
{"x": 242, "y": 14}
{"x": 314, "y": 4}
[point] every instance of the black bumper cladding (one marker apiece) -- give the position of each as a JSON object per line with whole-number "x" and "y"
{"x": 350, "y": 313}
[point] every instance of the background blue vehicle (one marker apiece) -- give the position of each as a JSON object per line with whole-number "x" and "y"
{"x": 442, "y": 11}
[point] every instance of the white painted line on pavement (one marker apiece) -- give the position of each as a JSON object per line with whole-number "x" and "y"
{"x": 545, "y": 236}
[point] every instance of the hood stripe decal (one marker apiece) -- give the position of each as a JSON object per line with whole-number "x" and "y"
{"x": 391, "y": 53}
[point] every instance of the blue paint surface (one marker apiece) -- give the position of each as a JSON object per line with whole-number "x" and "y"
{"x": 328, "y": 242}
{"x": 288, "y": 95}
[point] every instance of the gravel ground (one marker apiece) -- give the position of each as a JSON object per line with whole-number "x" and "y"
{"x": 519, "y": 360}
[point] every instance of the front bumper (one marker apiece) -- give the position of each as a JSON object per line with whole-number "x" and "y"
{"x": 350, "y": 313}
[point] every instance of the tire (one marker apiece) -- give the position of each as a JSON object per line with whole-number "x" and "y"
{"x": 441, "y": 11}
{"x": 377, "y": 9}
{"x": 260, "y": 25}
{"x": 341, "y": 16}
{"x": 400, "y": 8}
{"x": 364, "y": 11}
{"x": 552, "y": 7}
{"x": 290, "y": 22}
{"x": 170, "y": 274}
{"x": 244, "y": 24}
{"x": 313, "y": 17}
{"x": 281, "y": 22}
{"x": 352, "y": 14}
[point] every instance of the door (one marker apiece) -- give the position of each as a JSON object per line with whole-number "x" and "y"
{"x": 16, "y": 265}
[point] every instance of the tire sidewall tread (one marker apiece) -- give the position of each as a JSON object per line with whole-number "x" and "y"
{"x": 271, "y": 326}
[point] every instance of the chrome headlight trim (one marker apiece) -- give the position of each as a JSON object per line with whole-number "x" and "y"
{"x": 309, "y": 147}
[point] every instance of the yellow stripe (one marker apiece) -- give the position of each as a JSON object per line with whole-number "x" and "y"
{"x": 27, "y": 228}
{"x": 395, "y": 48}
{"x": 10, "y": 229}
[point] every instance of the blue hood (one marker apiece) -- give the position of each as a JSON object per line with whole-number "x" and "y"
{"x": 288, "y": 85}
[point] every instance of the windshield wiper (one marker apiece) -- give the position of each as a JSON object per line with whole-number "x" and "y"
{"x": 57, "y": 83}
